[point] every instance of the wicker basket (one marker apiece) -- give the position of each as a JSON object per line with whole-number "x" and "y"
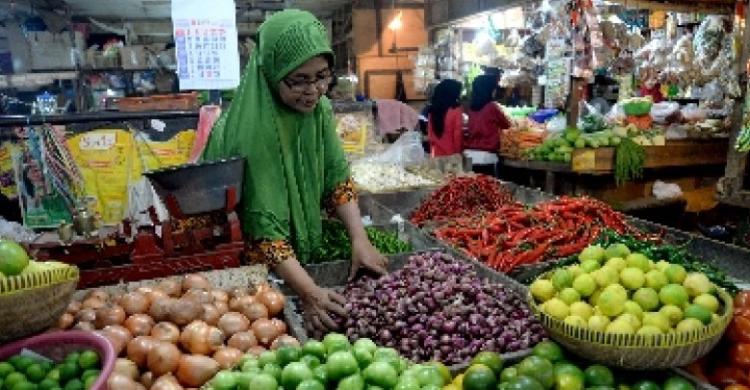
{"x": 57, "y": 345}
{"x": 637, "y": 352}
{"x": 32, "y": 303}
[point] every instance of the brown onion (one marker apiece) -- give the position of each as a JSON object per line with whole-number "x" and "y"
{"x": 237, "y": 303}
{"x": 156, "y": 295}
{"x": 127, "y": 368}
{"x": 98, "y": 294}
{"x": 284, "y": 340}
{"x": 185, "y": 311}
{"x": 109, "y": 315}
{"x": 222, "y": 307}
{"x": 86, "y": 315}
{"x": 83, "y": 325}
{"x": 256, "y": 350}
{"x": 120, "y": 333}
{"x": 118, "y": 343}
{"x": 138, "y": 350}
{"x": 134, "y": 303}
{"x": 166, "y": 382}
{"x": 65, "y": 321}
{"x": 243, "y": 341}
{"x": 200, "y": 295}
{"x": 166, "y": 331}
{"x": 239, "y": 292}
{"x": 74, "y": 307}
{"x": 120, "y": 382}
{"x": 272, "y": 300}
{"x": 261, "y": 288}
{"x": 201, "y": 338}
{"x": 255, "y": 311}
{"x": 171, "y": 287}
{"x": 231, "y": 323}
{"x": 228, "y": 357}
{"x": 163, "y": 358}
{"x": 195, "y": 281}
{"x": 211, "y": 314}
{"x": 280, "y": 325}
{"x": 147, "y": 379}
{"x": 196, "y": 370}
{"x": 161, "y": 308}
{"x": 139, "y": 324}
{"x": 265, "y": 330}
{"x": 93, "y": 303}
{"x": 220, "y": 295}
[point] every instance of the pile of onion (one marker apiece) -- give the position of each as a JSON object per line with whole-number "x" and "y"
{"x": 179, "y": 333}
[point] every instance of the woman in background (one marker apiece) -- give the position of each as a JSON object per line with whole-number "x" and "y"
{"x": 486, "y": 119}
{"x": 445, "y": 120}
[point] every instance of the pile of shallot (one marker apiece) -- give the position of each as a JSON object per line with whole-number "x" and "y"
{"x": 179, "y": 333}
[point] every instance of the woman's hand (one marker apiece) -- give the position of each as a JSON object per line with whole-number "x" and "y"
{"x": 317, "y": 305}
{"x": 364, "y": 255}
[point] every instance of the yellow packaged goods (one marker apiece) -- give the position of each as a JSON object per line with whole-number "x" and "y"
{"x": 353, "y": 129}
{"x": 7, "y": 184}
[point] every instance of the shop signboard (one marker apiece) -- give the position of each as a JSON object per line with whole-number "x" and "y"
{"x": 206, "y": 44}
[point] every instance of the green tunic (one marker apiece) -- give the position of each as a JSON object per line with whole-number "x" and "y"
{"x": 293, "y": 158}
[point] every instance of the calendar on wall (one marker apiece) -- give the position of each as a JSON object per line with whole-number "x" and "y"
{"x": 206, "y": 44}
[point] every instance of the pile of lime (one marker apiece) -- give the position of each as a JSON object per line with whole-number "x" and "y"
{"x": 548, "y": 368}
{"x": 616, "y": 291}
{"x": 78, "y": 371}
{"x": 331, "y": 364}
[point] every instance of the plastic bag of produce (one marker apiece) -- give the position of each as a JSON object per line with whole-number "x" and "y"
{"x": 661, "y": 111}
{"x": 615, "y": 116}
{"x": 407, "y": 151}
{"x": 590, "y": 119}
{"x": 693, "y": 113}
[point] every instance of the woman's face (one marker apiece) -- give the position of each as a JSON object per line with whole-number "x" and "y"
{"x": 301, "y": 90}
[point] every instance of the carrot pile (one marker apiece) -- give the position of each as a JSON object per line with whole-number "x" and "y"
{"x": 514, "y": 142}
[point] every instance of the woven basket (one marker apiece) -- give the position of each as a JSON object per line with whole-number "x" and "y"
{"x": 637, "y": 352}
{"x": 57, "y": 345}
{"x": 32, "y": 303}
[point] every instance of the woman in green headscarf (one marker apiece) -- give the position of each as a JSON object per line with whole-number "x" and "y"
{"x": 282, "y": 123}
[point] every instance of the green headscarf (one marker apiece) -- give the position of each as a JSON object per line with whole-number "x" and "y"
{"x": 293, "y": 158}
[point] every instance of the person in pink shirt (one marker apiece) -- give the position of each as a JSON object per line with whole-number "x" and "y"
{"x": 445, "y": 120}
{"x": 486, "y": 119}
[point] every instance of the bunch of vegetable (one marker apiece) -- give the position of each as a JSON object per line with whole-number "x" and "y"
{"x": 381, "y": 177}
{"x": 180, "y": 332}
{"x": 727, "y": 365}
{"x": 516, "y": 235}
{"x": 515, "y": 142}
{"x": 337, "y": 246}
{"x": 77, "y": 371}
{"x": 674, "y": 254}
{"x": 463, "y": 196}
{"x": 629, "y": 161}
{"x": 549, "y": 368}
{"x": 334, "y": 363}
{"x": 437, "y": 308}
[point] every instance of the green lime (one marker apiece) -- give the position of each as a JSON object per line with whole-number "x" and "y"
{"x": 563, "y": 368}
{"x": 13, "y": 378}
{"x": 366, "y": 343}
{"x": 548, "y": 350}
{"x": 479, "y": 377}
{"x": 268, "y": 357}
{"x": 294, "y": 374}
{"x": 341, "y": 364}
{"x": 13, "y": 258}
{"x": 73, "y": 357}
{"x": 250, "y": 365}
{"x": 443, "y": 370}
{"x": 88, "y": 359}
{"x": 569, "y": 381}
{"x": 310, "y": 384}
{"x": 645, "y": 385}
{"x": 89, "y": 382}
{"x": 508, "y": 374}
{"x": 54, "y": 374}
{"x": 68, "y": 371}
{"x": 90, "y": 373}
{"x": 47, "y": 384}
{"x": 310, "y": 360}
{"x": 288, "y": 354}
{"x": 35, "y": 373}
{"x": 24, "y": 386}
{"x": 372, "y": 387}
{"x": 320, "y": 374}
{"x": 382, "y": 374}
{"x": 599, "y": 375}
{"x": 257, "y": 382}
{"x": 351, "y": 382}
{"x": 13, "y": 360}
{"x": 224, "y": 380}
{"x": 524, "y": 383}
{"x": 23, "y": 363}
{"x": 314, "y": 348}
{"x": 491, "y": 360}
{"x": 538, "y": 368}
{"x": 429, "y": 375}
{"x": 272, "y": 369}
{"x": 74, "y": 384}
{"x": 336, "y": 342}
{"x": 677, "y": 383}
{"x": 364, "y": 357}
{"x": 5, "y": 369}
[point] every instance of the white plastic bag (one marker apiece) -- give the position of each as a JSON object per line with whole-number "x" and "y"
{"x": 407, "y": 151}
{"x": 661, "y": 111}
{"x": 664, "y": 190}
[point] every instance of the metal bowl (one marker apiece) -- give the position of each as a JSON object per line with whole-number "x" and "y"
{"x": 200, "y": 188}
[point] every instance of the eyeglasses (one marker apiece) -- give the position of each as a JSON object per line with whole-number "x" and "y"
{"x": 321, "y": 82}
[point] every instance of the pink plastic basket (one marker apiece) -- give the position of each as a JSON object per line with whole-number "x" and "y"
{"x": 56, "y": 345}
